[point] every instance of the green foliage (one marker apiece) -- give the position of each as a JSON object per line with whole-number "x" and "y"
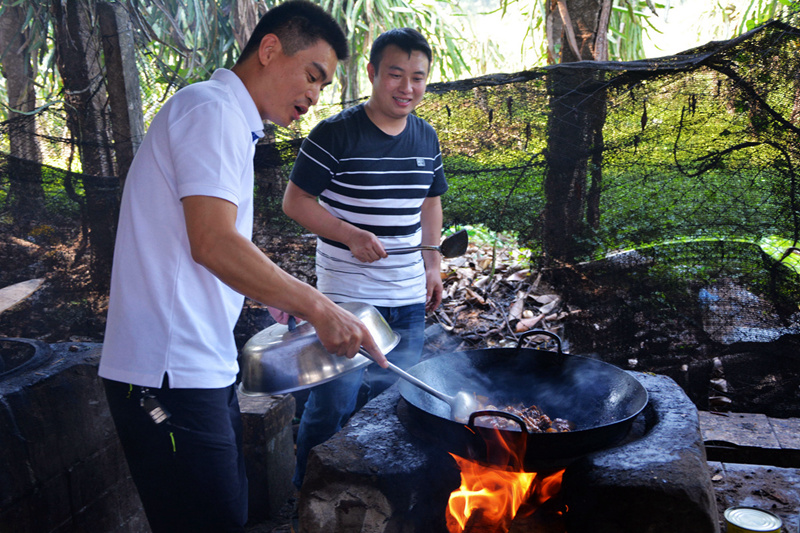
{"x": 63, "y": 191}
{"x": 708, "y": 261}
{"x": 440, "y": 21}
{"x": 782, "y": 250}
{"x": 628, "y": 26}
{"x": 186, "y": 40}
{"x": 690, "y": 160}
{"x": 481, "y": 236}
{"x": 691, "y": 156}
{"x": 493, "y": 142}
{"x": 760, "y": 11}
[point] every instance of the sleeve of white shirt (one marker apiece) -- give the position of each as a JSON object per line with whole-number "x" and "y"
{"x": 210, "y": 144}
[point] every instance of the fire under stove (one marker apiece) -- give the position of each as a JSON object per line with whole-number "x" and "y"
{"x": 382, "y": 474}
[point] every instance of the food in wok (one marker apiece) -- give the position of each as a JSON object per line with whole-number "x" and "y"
{"x": 536, "y": 421}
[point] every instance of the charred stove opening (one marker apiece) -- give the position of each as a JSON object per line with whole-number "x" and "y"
{"x": 500, "y": 490}
{"x": 377, "y": 475}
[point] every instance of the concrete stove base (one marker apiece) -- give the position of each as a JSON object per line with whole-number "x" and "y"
{"x": 377, "y": 476}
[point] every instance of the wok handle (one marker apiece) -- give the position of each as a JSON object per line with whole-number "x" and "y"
{"x": 501, "y": 414}
{"x": 532, "y": 332}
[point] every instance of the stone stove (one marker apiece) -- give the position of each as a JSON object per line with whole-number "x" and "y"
{"x": 378, "y": 476}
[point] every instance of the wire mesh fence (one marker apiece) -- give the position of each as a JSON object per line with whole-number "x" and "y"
{"x": 658, "y": 196}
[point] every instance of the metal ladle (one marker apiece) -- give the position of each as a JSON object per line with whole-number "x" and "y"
{"x": 453, "y": 246}
{"x": 461, "y": 405}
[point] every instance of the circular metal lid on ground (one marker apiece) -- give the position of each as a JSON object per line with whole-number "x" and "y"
{"x": 749, "y": 519}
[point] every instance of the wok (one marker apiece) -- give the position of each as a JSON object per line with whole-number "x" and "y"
{"x": 599, "y": 398}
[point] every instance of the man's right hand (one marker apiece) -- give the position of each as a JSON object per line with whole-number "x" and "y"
{"x": 342, "y": 334}
{"x": 366, "y": 246}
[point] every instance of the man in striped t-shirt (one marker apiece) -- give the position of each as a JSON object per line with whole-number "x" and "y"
{"x": 367, "y": 180}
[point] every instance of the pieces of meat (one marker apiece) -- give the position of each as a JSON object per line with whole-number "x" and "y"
{"x": 535, "y": 420}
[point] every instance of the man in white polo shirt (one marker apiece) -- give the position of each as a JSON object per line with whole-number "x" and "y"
{"x": 184, "y": 262}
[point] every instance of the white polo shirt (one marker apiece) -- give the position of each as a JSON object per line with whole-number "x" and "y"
{"x": 167, "y": 314}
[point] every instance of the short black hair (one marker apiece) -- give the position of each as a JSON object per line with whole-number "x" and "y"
{"x": 299, "y": 24}
{"x": 407, "y": 39}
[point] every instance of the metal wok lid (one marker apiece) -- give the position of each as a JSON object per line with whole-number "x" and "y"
{"x": 277, "y": 360}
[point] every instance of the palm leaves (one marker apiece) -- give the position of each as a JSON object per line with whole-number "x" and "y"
{"x": 181, "y": 41}
{"x": 188, "y": 38}
{"x": 364, "y": 20}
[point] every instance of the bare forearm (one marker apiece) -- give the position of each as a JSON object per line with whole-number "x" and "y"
{"x": 218, "y": 246}
{"x": 431, "y": 221}
{"x": 239, "y": 264}
{"x": 304, "y": 209}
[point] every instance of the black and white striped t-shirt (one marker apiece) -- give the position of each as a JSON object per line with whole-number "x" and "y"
{"x": 376, "y": 182}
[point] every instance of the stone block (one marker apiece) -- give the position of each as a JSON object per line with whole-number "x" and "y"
{"x": 62, "y": 467}
{"x": 374, "y": 476}
{"x": 269, "y": 452}
{"x": 657, "y": 482}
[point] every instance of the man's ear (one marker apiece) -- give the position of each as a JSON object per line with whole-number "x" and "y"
{"x": 371, "y": 72}
{"x": 269, "y": 46}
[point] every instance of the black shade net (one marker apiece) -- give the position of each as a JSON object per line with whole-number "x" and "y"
{"x": 658, "y": 197}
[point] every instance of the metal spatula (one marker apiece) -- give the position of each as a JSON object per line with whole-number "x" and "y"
{"x": 453, "y": 246}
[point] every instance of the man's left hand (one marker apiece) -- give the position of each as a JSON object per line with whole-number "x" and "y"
{"x": 435, "y": 288}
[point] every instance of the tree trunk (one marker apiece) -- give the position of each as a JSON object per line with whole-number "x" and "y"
{"x": 122, "y": 83}
{"x": 596, "y": 162}
{"x": 245, "y": 15}
{"x": 26, "y": 195}
{"x": 351, "y": 86}
{"x": 350, "y": 89}
{"x": 576, "y": 31}
{"x": 78, "y": 60}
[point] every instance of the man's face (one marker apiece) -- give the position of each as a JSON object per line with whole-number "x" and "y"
{"x": 398, "y": 84}
{"x": 292, "y": 84}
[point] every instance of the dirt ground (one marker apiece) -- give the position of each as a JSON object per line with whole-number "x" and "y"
{"x": 776, "y": 490}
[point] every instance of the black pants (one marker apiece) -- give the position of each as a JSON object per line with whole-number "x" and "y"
{"x": 189, "y": 470}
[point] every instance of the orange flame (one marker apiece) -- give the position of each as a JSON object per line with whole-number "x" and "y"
{"x": 493, "y": 495}
{"x": 496, "y": 493}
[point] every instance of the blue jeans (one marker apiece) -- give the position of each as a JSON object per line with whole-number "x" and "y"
{"x": 331, "y": 404}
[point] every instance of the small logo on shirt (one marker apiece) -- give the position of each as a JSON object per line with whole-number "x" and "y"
{"x": 420, "y": 162}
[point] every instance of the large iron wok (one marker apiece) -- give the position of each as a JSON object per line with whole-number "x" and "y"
{"x": 599, "y": 398}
